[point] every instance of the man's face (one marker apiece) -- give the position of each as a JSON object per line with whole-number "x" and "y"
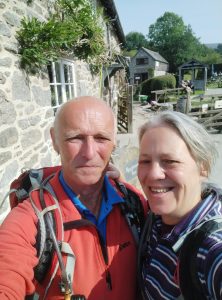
{"x": 85, "y": 141}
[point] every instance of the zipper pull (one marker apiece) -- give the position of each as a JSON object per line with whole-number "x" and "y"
{"x": 108, "y": 280}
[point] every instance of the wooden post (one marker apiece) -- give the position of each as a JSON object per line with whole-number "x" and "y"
{"x": 130, "y": 108}
{"x": 188, "y": 103}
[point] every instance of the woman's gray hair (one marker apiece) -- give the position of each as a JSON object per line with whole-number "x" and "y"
{"x": 197, "y": 139}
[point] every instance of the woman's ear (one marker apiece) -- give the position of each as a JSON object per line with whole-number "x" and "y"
{"x": 52, "y": 133}
{"x": 203, "y": 171}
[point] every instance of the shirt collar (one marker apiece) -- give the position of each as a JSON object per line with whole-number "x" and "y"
{"x": 109, "y": 198}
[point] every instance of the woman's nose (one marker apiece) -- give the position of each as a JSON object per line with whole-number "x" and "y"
{"x": 156, "y": 171}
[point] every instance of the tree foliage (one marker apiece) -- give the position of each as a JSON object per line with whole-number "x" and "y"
{"x": 73, "y": 29}
{"x": 219, "y": 49}
{"x": 177, "y": 43}
{"x": 210, "y": 56}
{"x": 173, "y": 40}
{"x": 135, "y": 40}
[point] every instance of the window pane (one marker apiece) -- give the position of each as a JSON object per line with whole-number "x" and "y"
{"x": 59, "y": 91}
{"x": 62, "y": 80}
{"x": 142, "y": 61}
{"x": 57, "y": 71}
{"x": 49, "y": 67}
{"x": 72, "y": 92}
{"x": 71, "y": 74}
{"x": 69, "y": 92}
{"x": 53, "y": 95}
{"x": 66, "y": 73}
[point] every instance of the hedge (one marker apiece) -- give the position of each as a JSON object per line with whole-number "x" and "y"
{"x": 158, "y": 83}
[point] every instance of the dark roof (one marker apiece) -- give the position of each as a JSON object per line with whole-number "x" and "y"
{"x": 110, "y": 10}
{"x": 193, "y": 63}
{"x": 155, "y": 55}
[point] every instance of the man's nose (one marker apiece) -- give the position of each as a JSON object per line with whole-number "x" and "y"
{"x": 89, "y": 148}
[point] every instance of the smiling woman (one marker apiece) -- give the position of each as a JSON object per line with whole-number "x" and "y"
{"x": 169, "y": 175}
{"x": 175, "y": 158}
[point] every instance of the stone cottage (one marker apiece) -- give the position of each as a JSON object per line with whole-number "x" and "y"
{"x": 144, "y": 60}
{"x": 27, "y": 101}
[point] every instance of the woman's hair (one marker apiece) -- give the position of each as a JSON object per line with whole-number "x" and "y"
{"x": 197, "y": 139}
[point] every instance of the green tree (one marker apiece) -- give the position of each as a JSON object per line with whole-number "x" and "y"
{"x": 210, "y": 56}
{"x": 135, "y": 40}
{"x": 174, "y": 40}
{"x": 129, "y": 53}
{"x": 219, "y": 48}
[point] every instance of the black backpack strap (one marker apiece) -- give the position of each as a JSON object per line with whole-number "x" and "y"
{"x": 188, "y": 276}
{"x": 144, "y": 240}
{"x": 45, "y": 235}
{"x": 48, "y": 238}
{"x": 132, "y": 209}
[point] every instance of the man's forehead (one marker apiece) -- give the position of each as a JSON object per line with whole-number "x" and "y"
{"x": 87, "y": 132}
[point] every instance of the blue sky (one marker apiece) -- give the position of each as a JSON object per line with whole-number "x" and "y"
{"x": 204, "y": 16}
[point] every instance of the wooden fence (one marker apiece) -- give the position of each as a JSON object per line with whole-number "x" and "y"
{"x": 125, "y": 109}
{"x": 166, "y": 93}
{"x": 209, "y": 114}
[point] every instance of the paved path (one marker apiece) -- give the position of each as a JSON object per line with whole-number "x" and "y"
{"x": 216, "y": 174}
{"x": 213, "y": 92}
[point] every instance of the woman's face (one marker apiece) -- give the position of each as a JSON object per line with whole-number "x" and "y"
{"x": 168, "y": 174}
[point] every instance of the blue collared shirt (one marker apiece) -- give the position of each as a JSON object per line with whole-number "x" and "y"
{"x": 109, "y": 198}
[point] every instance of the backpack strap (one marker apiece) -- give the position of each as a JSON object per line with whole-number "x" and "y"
{"x": 46, "y": 224}
{"x": 144, "y": 240}
{"x": 132, "y": 209}
{"x": 187, "y": 264}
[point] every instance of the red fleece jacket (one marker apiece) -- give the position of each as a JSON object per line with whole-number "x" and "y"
{"x": 18, "y": 254}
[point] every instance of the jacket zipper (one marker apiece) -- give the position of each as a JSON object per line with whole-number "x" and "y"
{"x": 85, "y": 222}
{"x": 106, "y": 260}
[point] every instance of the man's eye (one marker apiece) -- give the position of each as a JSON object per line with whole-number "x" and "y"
{"x": 101, "y": 138}
{"x": 74, "y": 139}
{"x": 144, "y": 161}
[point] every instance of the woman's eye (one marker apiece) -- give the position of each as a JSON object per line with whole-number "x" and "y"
{"x": 170, "y": 161}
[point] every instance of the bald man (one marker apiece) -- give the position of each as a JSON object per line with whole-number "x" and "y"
{"x": 96, "y": 232}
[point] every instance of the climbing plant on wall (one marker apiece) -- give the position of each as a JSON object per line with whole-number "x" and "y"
{"x": 72, "y": 29}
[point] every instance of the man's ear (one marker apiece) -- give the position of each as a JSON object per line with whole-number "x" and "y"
{"x": 52, "y": 133}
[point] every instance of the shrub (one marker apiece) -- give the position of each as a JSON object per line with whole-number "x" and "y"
{"x": 150, "y": 73}
{"x": 145, "y": 87}
{"x": 158, "y": 83}
{"x": 137, "y": 92}
{"x": 163, "y": 82}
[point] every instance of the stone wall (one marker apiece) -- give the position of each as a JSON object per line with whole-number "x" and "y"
{"x": 25, "y": 101}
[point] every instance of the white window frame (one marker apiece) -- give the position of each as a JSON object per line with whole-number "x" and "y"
{"x": 71, "y": 84}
